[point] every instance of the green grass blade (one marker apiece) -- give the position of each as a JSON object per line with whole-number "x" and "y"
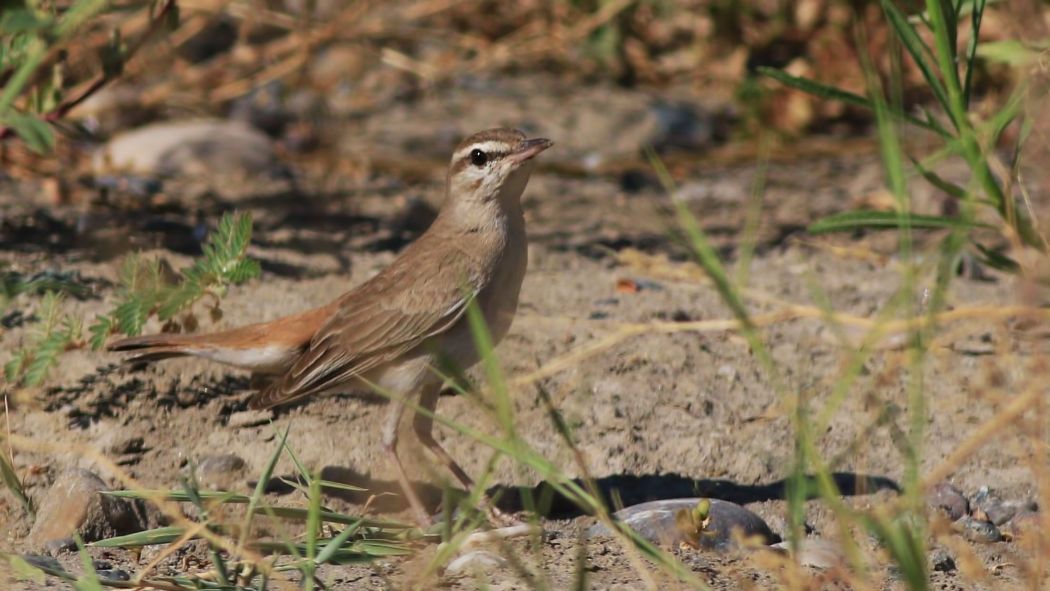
{"x": 815, "y": 88}
{"x": 936, "y": 180}
{"x": 340, "y": 486}
{"x": 180, "y": 496}
{"x": 876, "y": 220}
{"x": 260, "y": 488}
{"x": 329, "y": 550}
{"x": 88, "y": 581}
{"x": 301, "y": 514}
{"x": 996, "y": 259}
{"x": 943, "y": 32}
{"x": 831, "y": 93}
{"x": 160, "y": 535}
{"x": 13, "y": 484}
{"x": 971, "y": 49}
{"x": 916, "y": 48}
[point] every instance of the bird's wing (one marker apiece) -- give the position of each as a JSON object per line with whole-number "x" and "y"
{"x": 387, "y": 316}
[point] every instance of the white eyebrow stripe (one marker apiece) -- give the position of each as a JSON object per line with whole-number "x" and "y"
{"x": 489, "y": 146}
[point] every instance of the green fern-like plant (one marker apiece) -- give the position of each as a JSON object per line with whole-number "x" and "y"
{"x": 145, "y": 289}
{"x": 47, "y": 340}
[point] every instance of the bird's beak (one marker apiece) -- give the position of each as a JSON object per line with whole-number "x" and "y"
{"x": 529, "y": 148}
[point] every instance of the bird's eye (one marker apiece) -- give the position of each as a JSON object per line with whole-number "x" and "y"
{"x": 478, "y": 158}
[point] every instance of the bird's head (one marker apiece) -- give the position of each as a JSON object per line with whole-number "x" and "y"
{"x": 493, "y": 165}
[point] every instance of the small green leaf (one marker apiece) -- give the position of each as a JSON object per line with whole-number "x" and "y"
{"x": 242, "y": 271}
{"x": 34, "y": 131}
{"x": 934, "y": 179}
{"x": 856, "y": 220}
{"x": 131, "y": 315}
{"x": 100, "y": 330}
{"x": 45, "y": 356}
{"x": 13, "y": 367}
{"x": 996, "y": 259}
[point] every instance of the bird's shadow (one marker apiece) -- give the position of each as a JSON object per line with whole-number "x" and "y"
{"x": 384, "y": 496}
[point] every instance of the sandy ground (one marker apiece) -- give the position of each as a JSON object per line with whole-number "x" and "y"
{"x": 659, "y": 415}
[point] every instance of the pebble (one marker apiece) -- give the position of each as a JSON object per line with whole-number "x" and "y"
{"x": 945, "y": 497}
{"x": 74, "y": 505}
{"x": 682, "y": 125}
{"x": 475, "y": 561}
{"x": 263, "y": 108}
{"x": 941, "y": 560}
{"x": 975, "y": 530}
{"x": 656, "y": 522}
{"x": 249, "y": 418}
{"x": 815, "y": 552}
{"x": 113, "y": 574}
{"x": 189, "y": 148}
{"x": 220, "y": 471}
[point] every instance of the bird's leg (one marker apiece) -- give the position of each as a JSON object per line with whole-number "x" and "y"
{"x": 423, "y": 425}
{"x": 390, "y": 434}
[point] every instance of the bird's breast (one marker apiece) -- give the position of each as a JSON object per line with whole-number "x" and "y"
{"x": 497, "y": 300}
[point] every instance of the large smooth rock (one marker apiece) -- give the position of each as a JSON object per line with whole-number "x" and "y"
{"x": 189, "y": 148}
{"x": 948, "y": 499}
{"x": 74, "y": 505}
{"x": 656, "y": 521}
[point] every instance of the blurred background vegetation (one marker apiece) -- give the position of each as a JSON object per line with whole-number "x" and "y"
{"x": 90, "y": 68}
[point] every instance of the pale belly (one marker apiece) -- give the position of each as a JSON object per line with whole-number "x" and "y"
{"x": 498, "y": 304}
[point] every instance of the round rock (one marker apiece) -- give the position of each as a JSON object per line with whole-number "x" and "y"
{"x": 74, "y": 505}
{"x": 220, "y": 471}
{"x": 189, "y": 148}
{"x": 656, "y": 521}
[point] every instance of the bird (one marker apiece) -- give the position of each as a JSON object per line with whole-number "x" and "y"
{"x": 396, "y": 329}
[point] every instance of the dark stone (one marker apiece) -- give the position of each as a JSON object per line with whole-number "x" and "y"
{"x": 948, "y": 499}
{"x": 941, "y": 560}
{"x": 215, "y": 38}
{"x": 113, "y": 574}
{"x": 42, "y": 561}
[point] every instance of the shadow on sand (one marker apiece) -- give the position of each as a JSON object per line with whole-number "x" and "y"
{"x": 628, "y": 489}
